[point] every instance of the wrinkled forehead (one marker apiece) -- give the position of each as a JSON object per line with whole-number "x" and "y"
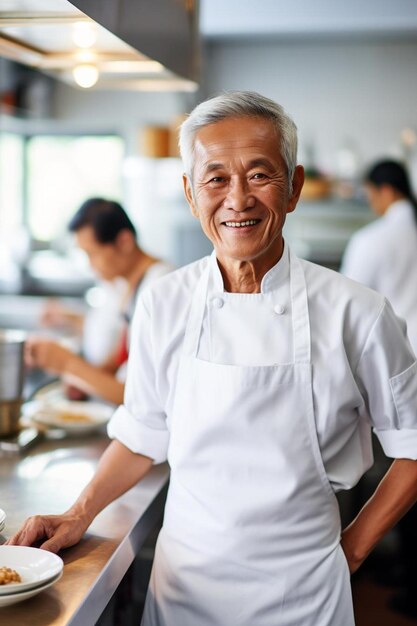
{"x": 236, "y": 137}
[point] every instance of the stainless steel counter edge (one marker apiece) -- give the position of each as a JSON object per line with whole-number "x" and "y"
{"x": 106, "y": 584}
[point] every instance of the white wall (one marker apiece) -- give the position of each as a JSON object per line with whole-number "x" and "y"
{"x": 125, "y": 112}
{"x": 356, "y": 93}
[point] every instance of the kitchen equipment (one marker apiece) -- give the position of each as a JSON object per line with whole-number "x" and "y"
{"x": 155, "y": 142}
{"x": 19, "y": 443}
{"x": 11, "y": 379}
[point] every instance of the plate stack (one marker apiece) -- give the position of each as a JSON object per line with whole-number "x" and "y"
{"x": 38, "y": 570}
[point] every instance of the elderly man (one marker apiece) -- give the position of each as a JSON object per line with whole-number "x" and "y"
{"x": 258, "y": 376}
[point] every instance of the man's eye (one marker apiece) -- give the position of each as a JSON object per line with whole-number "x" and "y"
{"x": 216, "y": 179}
{"x": 259, "y": 176}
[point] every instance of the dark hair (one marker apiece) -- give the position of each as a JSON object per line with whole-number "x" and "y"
{"x": 395, "y": 175}
{"x": 106, "y": 217}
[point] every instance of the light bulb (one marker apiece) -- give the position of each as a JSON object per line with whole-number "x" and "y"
{"x": 84, "y": 35}
{"x": 85, "y": 75}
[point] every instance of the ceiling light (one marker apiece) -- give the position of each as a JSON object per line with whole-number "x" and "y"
{"x": 85, "y": 75}
{"x": 85, "y": 57}
{"x": 84, "y": 35}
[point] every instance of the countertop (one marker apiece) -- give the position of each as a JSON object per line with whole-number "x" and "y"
{"x": 47, "y": 479}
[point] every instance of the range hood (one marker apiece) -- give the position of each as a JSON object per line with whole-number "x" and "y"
{"x": 148, "y": 45}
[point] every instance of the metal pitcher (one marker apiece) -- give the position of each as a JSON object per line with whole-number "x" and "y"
{"x": 11, "y": 379}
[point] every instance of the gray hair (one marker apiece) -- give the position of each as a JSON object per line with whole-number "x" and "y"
{"x": 239, "y": 104}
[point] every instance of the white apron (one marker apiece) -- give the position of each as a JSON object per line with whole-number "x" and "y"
{"x": 251, "y": 534}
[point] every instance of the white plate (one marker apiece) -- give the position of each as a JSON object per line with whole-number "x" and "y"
{"x": 51, "y": 392}
{"x": 2, "y": 516}
{"x": 35, "y": 567}
{"x": 73, "y": 417}
{"x": 14, "y": 598}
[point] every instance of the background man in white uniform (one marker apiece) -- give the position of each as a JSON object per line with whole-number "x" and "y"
{"x": 258, "y": 376}
{"x": 104, "y": 231}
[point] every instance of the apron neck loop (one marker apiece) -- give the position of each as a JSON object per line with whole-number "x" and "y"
{"x": 299, "y": 307}
{"x": 196, "y": 315}
{"x": 300, "y": 316}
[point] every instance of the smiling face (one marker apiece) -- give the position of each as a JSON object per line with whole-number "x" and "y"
{"x": 240, "y": 191}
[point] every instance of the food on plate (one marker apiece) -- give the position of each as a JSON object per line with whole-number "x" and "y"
{"x": 69, "y": 416}
{"x": 8, "y": 576}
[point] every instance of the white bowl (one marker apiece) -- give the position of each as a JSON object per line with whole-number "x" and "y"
{"x": 35, "y": 567}
{"x": 14, "y": 598}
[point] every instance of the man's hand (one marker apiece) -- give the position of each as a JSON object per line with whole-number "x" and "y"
{"x": 394, "y": 496}
{"x": 53, "y": 531}
{"x": 47, "y": 354}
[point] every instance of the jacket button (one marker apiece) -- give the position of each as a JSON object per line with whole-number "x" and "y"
{"x": 279, "y": 309}
{"x": 217, "y": 303}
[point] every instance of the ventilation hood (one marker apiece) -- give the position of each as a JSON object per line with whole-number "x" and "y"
{"x": 148, "y": 45}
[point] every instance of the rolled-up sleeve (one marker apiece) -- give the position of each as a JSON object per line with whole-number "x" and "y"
{"x": 140, "y": 423}
{"x": 387, "y": 371}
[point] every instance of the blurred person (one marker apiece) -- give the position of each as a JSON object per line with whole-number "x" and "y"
{"x": 383, "y": 256}
{"x": 98, "y": 326}
{"x": 106, "y": 234}
{"x": 57, "y": 314}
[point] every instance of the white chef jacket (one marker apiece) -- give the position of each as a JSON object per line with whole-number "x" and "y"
{"x": 383, "y": 256}
{"x": 364, "y": 371}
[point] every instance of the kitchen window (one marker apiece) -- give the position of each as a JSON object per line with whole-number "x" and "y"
{"x": 62, "y": 172}
{"x": 11, "y": 184}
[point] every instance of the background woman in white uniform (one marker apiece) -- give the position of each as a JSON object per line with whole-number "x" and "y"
{"x": 383, "y": 255}
{"x": 258, "y": 376}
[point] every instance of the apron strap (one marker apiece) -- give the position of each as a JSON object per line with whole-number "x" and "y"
{"x": 300, "y": 316}
{"x": 196, "y": 315}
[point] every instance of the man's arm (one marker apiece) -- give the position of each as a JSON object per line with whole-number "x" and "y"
{"x": 395, "y": 495}
{"x": 91, "y": 379}
{"x": 118, "y": 470}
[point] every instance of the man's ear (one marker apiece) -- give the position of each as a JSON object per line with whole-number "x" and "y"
{"x": 297, "y": 185}
{"x": 188, "y": 190}
{"x": 125, "y": 240}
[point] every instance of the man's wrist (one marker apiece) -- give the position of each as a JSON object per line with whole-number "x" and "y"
{"x": 71, "y": 364}
{"x": 355, "y": 545}
{"x": 83, "y": 510}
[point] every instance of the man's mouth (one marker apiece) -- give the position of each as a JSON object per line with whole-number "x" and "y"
{"x": 234, "y": 224}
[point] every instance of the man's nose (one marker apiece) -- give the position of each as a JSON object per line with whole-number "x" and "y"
{"x": 239, "y": 197}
